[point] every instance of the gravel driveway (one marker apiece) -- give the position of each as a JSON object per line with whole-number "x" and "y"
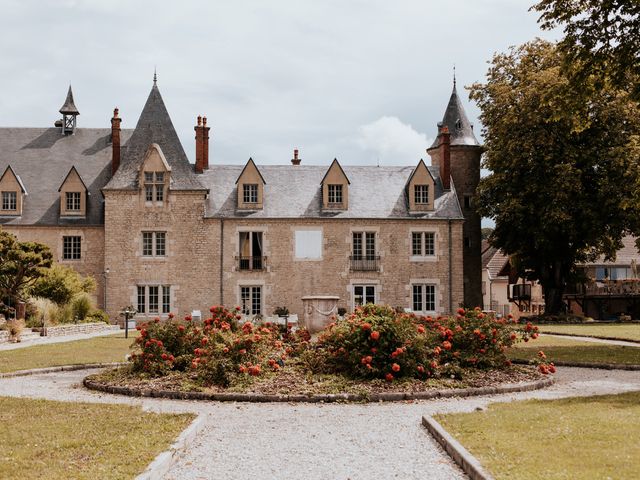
{"x": 290, "y": 441}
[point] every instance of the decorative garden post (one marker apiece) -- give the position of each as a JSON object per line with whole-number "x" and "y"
{"x": 127, "y": 313}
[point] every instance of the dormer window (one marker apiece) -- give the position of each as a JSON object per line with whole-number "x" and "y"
{"x": 250, "y": 193}
{"x": 9, "y": 201}
{"x": 73, "y": 201}
{"x": 421, "y": 194}
{"x": 154, "y": 186}
{"x": 335, "y": 194}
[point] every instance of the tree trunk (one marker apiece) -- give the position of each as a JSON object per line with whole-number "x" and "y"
{"x": 553, "y": 279}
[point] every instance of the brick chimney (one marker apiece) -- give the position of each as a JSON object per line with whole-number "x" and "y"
{"x": 115, "y": 141}
{"x": 295, "y": 160}
{"x": 445, "y": 157}
{"x": 202, "y": 144}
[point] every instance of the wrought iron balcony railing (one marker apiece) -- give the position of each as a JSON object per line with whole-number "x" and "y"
{"x": 365, "y": 263}
{"x": 251, "y": 264}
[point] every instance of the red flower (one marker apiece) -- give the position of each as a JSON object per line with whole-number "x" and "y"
{"x": 513, "y": 336}
{"x": 375, "y": 335}
{"x": 368, "y": 359}
{"x": 543, "y": 369}
{"x": 225, "y": 349}
{"x": 420, "y": 369}
{"x": 171, "y": 315}
{"x": 181, "y": 328}
{"x": 366, "y": 326}
{"x": 389, "y": 377}
{"x": 188, "y": 318}
{"x": 446, "y": 345}
{"x": 460, "y": 311}
{"x": 420, "y": 329}
{"x": 395, "y": 367}
{"x": 552, "y": 368}
{"x": 541, "y": 354}
{"x": 164, "y": 356}
{"x": 204, "y": 341}
{"x": 242, "y": 351}
{"x": 156, "y": 320}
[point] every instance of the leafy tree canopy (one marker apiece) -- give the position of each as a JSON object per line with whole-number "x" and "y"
{"x": 565, "y": 165}
{"x": 60, "y": 284}
{"x": 21, "y": 264}
{"x": 601, "y": 38}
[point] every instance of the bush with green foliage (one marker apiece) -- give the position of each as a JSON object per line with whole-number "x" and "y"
{"x": 60, "y": 284}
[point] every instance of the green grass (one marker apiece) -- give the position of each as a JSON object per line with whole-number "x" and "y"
{"x": 44, "y": 439}
{"x": 589, "y": 437}
{"x": 629, "y": 331}
{"x": 110, "y": 348}
{"x": 568, "y": 350}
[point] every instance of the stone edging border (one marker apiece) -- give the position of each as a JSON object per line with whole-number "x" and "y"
{"x": 61, "y": 368}
{"x": 467, "y": 462}
{"x": 617, "y": 339}
{"x": 602, "y": 366}
{"x": 165, "y": 460}
{"x": 327, "y": 398}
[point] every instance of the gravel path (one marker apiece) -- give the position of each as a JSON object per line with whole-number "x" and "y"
{"x": 594, "y": 340}
{"x": 31, "y": 342}
{"x": 285, "y": 441}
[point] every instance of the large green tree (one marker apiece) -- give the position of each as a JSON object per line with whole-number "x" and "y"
{"x": 21, "y": 264}
{"x": 601, "y": 38}
{"x": 565, "y": 165}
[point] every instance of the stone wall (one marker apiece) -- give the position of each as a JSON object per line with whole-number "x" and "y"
{"x": 78, "y": 328}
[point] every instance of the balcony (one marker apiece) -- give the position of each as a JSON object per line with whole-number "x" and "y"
{"x": 361, "y": 263}
{"x": 520, "y": 291}
{"x": 605, "y": 288}
{"x": 251, "y": 264}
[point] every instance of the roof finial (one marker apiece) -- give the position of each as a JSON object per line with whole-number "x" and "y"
{"x": 155, "y": 77}
{"x": 454, "y": 75}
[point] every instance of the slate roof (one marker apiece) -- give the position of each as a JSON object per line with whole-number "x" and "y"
{"x": 459, "y": 125}
{"x": 155, "y": 126}
{"x": 43, "y": 157}
{"x": 295, "y": 192}
{"x": 493, "y": 260}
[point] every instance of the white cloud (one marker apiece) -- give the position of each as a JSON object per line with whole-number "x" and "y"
{"x": 391, "y": 141}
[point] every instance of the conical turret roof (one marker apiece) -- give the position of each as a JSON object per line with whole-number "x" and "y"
{"x": 456, "y": 119}
{"x": 69, "y": 108}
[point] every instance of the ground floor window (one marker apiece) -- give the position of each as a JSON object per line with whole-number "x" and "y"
{"x": 154, "y": 298}
{"x": 251, "y": 300}
{"x": 423, "y": 298}
{"x": 363, "y": 294}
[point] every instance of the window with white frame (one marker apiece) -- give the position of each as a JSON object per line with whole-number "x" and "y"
{"x": 9, "y": 200}
{"x": 251, "y": 300}
{"x": 421, "y": 194}
{"x": 154, "y": 298}
{"x": 364, "y": 245}
{"x": 250, "y": 193}
{"x": 154, "y": 244}
{"x": 154, "y": 186}
{"x": 423, "y": 244}
{"x": 71, "y": 247}
{"x": 308, "y": 244}
{"x": 335, "y": 194}
{"x": 423, "y": 297}
{"x": 72, "y": 201}
{"x": 363, "y": 294}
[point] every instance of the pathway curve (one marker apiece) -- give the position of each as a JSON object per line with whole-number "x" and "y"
{"x": 317, "y": 441}
{"x": 32, "y": 342}
{"x": 592, "y": 339}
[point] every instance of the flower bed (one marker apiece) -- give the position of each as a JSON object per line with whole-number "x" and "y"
{"x": 375, "y": 349}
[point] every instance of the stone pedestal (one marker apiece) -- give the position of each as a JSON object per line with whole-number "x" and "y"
{"x": 318, "y": 311}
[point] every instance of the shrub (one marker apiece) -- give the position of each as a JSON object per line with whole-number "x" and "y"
{"x": 15, "y": 328}
{"x": 81, "y": 306}
{"x": 98, "y": 316}
{"x": 60, "y": 284}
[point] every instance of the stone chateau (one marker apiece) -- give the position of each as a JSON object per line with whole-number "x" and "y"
{"x": 163, "y": 234}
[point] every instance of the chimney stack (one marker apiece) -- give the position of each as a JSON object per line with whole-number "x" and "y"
{"x": 115, "y": 141}
{"x": 202, "y": 145}
{"x": 295, "y": 160}
{"x": 445, "y": 157}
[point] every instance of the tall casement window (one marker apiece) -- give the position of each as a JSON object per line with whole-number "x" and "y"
{"x": 72, "y": 201}
{"x": 335, "y": 194}
{"x": 363, "y": 294}
{"x": 154, "y": 186}
{"x": 423, "y": 244}
{"x": 154, "y": 298}
{"x": 154, "y": 244}
{"x": 423, "y": 297}
{"x": 9, "y": 201}
{"x": 251, "y": 300}
{"x": 421, "y": 194}
{"x": 71, "y": 247}
{"x": 250, "y": 193}
{"x": 251, "y": 251}
{"x": 363, "y": 252}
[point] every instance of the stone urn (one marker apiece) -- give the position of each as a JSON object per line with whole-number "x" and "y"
{"x": 318, "y": 311}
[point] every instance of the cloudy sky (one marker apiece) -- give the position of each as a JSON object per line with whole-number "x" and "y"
{"x": 364, "y": 81}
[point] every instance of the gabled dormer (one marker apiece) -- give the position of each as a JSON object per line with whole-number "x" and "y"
{"x": 420, "y": 189}
{"x": 335, "y": 188}
{"x": 250, "y": 187}
{"x": 12, "y": 193}
{"x": 73, "y": 195}
{"x": 155, "y": 177}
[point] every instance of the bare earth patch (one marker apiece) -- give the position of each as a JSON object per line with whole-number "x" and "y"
{"x": 293, "y": 381}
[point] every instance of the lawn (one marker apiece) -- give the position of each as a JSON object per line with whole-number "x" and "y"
{"x": 47, "y": 439}
{"x": 630, "y": 331}
{"x": 110, "y": 348}
{"x": 568, "y": 350}
{"x": 587, "y": 437}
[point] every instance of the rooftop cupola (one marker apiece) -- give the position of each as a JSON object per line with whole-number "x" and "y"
{"x": 69, "y": 113}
